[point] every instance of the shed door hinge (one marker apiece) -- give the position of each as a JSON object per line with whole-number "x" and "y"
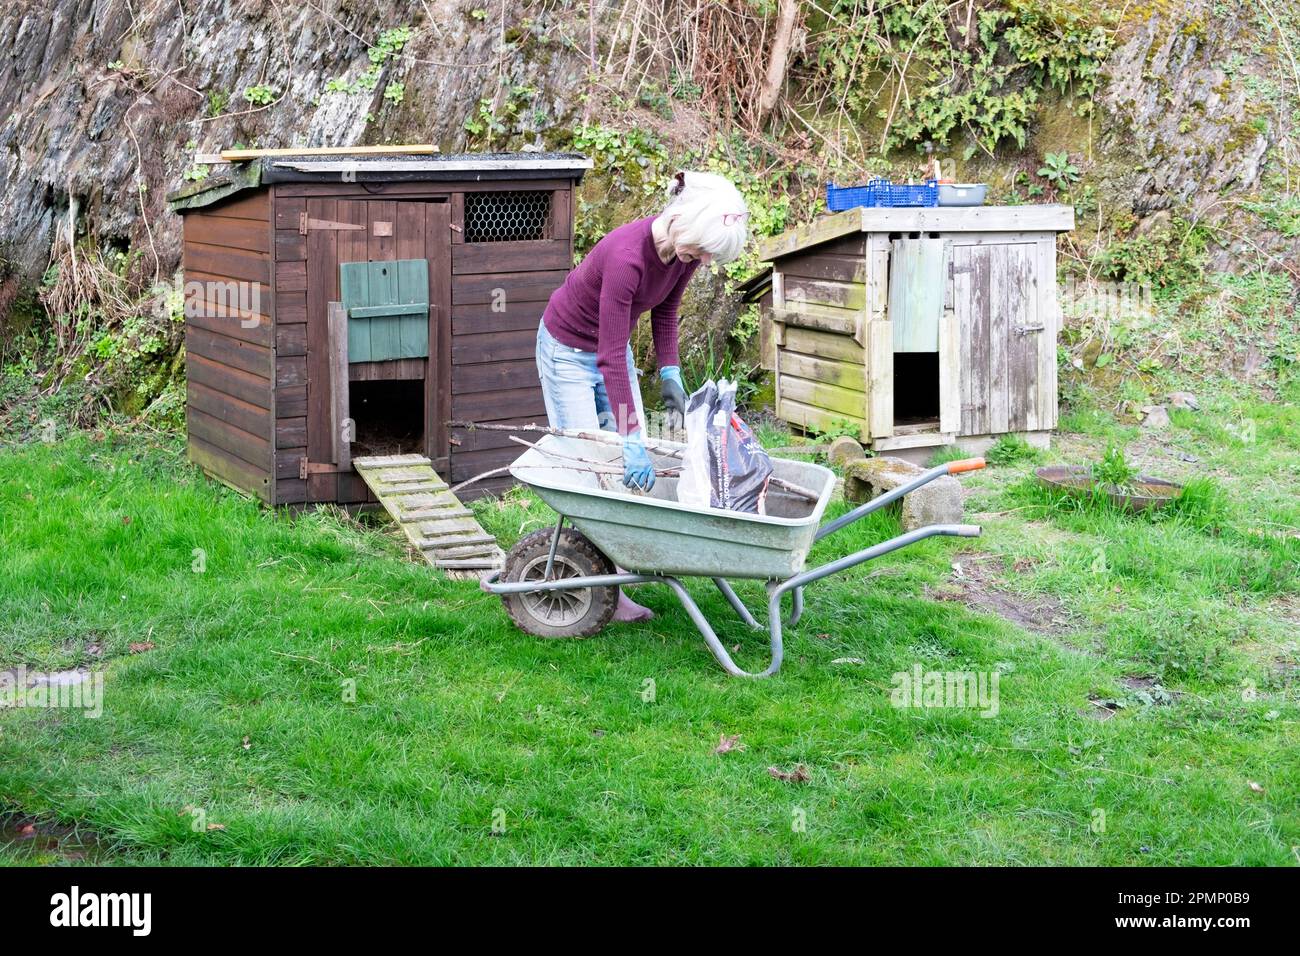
{"x": 1026, "y": 329}
{"x": 306, "y": 224}
{"x": 307, "y": 468}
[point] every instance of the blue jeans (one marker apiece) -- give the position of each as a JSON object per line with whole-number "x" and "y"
{"x": 573, "y": 387}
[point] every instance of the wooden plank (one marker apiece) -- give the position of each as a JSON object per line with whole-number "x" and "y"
{"x": 880, "y": 379}
{"x": 440, "y": 369}
{"x": 243, "y": 155}
{"x": 826, "y": 266}
{"x": 1020, "y": 303}
{"x": 291, "y": 339}
{"x": 342, "y": 426}
{"x": 494, "y": 347}
{"x": 243, "y": 415}
{"x": 1040, "y": 217}
{"x": 482, "y": 318}
{"x": 247, "y": 234}
{"x": 288, "y": 211}
{"x": 562, "y": 220}
{"x": 1000, "y": 298}
{"x": 970, "y": 295}
{"x": 806, "y": 316}
{"x": 323, "y": 487}
{"x": 491, "y": 376}
{"x": 290, "y": 277}
{"x": 254, "y": 450}
{"x": 290, "y": 432}
{"x": 484, "y": 406}
{"x": 917, "y": 440}
{"x": 430, "y": 189}
{"x": 228, "y": 469}
{"x": 824, "y": 345}
{"x": 918, "y": 270}
{"x": 950, "y": 364}
{"x": 322, "y": 283}
{"x": 290, "y": 370}
{"x": 495, "y": 257}
{"x": 223, "y": 261}
{"x": 254, "y": 205}
{"x": 255, "y": 359}
{"x": 841, "y": 401}
{"x": 291, "y": 490}
{"x": 814, "y": 233}
{"x": 877, "y": 259}
{"x": 290, "y": 308}
{"x": 255, "y": 329}
{"x": 843, "y": 375}
{"x": 291, "y": 402}
{"x": 239, "y": 384}
{"x": 288, "y": 462}
{"x": 1049, "y": 313}
{"x": 809, "y": 417}
{"x": 466, "y": 465}
{"x": 388, "y": 370}
{"x": 290, "y": 245}
{"x": 839, "y": 295}
{"x": 492, "y": 286}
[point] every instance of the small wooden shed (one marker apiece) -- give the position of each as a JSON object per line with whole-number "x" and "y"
{"x": 436, "y": 268}
{"x": 919, "y": 327}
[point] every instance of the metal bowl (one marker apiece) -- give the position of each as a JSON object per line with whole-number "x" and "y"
{"x": 1077, "y": 481}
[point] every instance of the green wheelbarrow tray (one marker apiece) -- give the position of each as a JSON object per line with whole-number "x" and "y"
{"x": 657, "y": 539}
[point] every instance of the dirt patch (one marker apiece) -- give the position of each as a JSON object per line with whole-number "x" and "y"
{"x": 974, "y": 583}
{"x": 46, "y": 844}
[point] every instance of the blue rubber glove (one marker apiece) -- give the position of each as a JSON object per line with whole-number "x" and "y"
{"x": 674, "y": 395}
{"x": 638, "y": 471}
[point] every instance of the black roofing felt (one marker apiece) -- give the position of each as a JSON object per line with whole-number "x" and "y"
{"x": 375, "y": 168}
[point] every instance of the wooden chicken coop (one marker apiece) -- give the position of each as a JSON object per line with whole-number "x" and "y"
{"x": 918, "y": 327}
{"x": 435, "y": 269}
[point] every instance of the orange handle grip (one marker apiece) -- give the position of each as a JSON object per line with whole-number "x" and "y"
{"x": 965, "y": 464}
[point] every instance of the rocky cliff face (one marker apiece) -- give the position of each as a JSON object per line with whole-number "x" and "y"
{"x": 1191, "y": 111}
{"x": 104, "y": 103}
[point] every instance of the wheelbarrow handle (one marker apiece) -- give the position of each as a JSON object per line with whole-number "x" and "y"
{"x": 965, "y": 464}
{"x": 889, "y": 497}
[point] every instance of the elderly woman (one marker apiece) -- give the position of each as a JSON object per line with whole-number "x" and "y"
{"x": 584, "y": 355}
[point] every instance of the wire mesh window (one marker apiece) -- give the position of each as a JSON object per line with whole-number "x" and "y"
{"x": 506, "y": 216}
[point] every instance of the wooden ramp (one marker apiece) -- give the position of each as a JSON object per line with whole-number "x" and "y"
{"x": 431, "y": 516}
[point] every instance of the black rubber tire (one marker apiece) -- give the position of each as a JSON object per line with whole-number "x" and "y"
{"x": 575, "y": 613}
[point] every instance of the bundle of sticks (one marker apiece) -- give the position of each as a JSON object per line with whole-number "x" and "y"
{"x": 596, "y": 466}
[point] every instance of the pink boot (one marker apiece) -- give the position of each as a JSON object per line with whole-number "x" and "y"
{"x": 629, "y": 610}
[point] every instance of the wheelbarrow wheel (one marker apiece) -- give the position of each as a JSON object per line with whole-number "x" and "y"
{"x": 578, "y": 612}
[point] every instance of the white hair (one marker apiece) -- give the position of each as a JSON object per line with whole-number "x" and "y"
{"x": 709, "y": 213}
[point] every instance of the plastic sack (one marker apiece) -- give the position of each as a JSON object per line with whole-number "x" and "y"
{"x": 723, "y": 465}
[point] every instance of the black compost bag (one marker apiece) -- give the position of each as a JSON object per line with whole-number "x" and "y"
{"x": 728, "y": 457}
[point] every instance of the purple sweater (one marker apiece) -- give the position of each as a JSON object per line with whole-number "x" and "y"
{"x": 600, "y": 301}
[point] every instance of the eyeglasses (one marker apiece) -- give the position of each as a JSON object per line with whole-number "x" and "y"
{"x": 729, "y": 217}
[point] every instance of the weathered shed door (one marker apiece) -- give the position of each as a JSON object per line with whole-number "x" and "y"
{"x": 1006, "y": 342}
{"x": 375, "y": 230}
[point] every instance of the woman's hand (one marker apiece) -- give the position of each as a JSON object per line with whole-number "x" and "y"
{"x": 674, "y": 395}
{"x": 638, "y": 471}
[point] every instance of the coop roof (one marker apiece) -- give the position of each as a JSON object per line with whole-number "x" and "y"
{"x": 1043, "y": 217}
{"x": 235, "y": 178}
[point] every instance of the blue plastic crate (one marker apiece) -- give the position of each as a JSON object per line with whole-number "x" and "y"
{"x": 881, "y": 192}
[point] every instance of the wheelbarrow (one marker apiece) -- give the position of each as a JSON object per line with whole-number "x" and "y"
{"x": 564, "y": 581}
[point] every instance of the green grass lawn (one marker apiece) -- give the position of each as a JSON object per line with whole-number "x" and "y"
{"x": 1147, "y": 712}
